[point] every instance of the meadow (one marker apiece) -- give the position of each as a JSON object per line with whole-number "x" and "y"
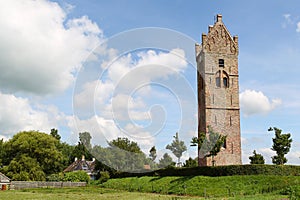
{"x": 260, "y": 187}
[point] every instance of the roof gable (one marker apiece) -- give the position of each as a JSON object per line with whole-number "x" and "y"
{"x": 219, "y": 40}
{"x": 4, "y": 179}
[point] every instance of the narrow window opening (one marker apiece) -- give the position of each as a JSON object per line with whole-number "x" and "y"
{"x": 230, "y": 121}
{"x": 231, "y": 99}
{"x": 225, "y": 82}
{"x": 221, "y": 63}
{"x": 224, "y": 145}
{"x": 216, "y": 120}
{"x": 218, "y": 82}
{"x": 213, "y": 99}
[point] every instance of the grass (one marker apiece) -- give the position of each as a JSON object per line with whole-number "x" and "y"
{"x": 91, "y": 192}
{"x": 214, "y": 187}
{"x": 253, "y": 187}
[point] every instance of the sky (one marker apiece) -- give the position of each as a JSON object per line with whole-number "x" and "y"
{"x": 127, "y": 69}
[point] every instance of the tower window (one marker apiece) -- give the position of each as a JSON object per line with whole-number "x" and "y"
{"x": 221, "y": 63}
{"x": 218, "y": 82}
{"x": 225, "y": 82}
{"x": 230, "y": 121}
{"x": 224, "y": 145}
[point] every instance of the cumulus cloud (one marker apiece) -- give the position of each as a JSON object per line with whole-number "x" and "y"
{"x": 255, "y": 102}
{"x": 40, "y": 48}
{"x": 18, "y": 114}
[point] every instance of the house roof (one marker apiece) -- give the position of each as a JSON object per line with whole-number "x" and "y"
{"x": 4, "y": 179}
{"x": 87, "y": 166}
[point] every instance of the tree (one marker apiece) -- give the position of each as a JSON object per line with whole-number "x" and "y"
{"x": 190, "y": 163}
{"x": 166, "y": 161}
{"x": 85, "y": 139}
{"x": 256, "y": 158}
{"x": 54, "y": 133}
{"x": 210, "y": 146}
{"x": 125, "y": 144}
{"x": 153, "y": 154}
{"x": 35, "y": 147}
{"x": 177, "y": 147}
{"x": 281, "y": 144}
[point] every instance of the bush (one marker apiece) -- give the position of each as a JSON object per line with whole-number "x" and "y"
{"x": 77, "y": 176}
{"x": 104, "y": 176}
{"x": 55, "y": 177}
{"x": 230, "y": 170}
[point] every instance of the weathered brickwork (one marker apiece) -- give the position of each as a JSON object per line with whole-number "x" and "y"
{"x": 218, "y": 91}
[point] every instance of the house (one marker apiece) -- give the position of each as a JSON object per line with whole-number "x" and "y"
{"x": 84, "y": 165}
{"x": 4, "y": 181}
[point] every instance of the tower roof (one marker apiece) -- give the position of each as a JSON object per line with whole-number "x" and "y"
{"x": 218, "y": 39}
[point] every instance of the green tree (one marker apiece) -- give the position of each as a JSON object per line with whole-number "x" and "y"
{"x": 125, "y": 144}
{"x": 85, "y": 139}
{"x": 211, "y": 146}
{"x": 281, "y": 144}
{"x": 256, "y": 158}
{"x": 25, "y": 168}
{"x": 177, "y": 147}
{"x": 190, "y": 163}
{"x": 54, "y": 133}
{"x": 34, "y": 145}
{"x": 152, "y": 154}
{"x": 2, "y": 152}
{"x": 166, "y": 161}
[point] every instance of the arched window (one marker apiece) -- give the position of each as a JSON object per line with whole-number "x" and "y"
{"x": 222, "y": 79}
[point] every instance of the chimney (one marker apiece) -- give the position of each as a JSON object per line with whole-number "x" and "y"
{"x": 83, "y": 158}
{"x": 75, "y": 159}
{"x": 219, "y": 18}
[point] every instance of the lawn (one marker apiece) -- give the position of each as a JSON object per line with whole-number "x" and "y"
{"x": 214, "y": 187}
{"x": 94, "y": 192}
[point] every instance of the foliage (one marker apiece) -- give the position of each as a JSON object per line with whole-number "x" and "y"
{"x": 125, "y": 144}
{"x": 54, "y": 133}
{"x": 85, "y": 140}
{"x": 55, "y": 177}
{"x": 104, "y": 176}
{"x": 190, "y": 163}
{"x": 36, "y": 147}
{"x": 281, "y": 144}
{"x": 210, "y": 146}
{"x": 166, "y": 161}
{"x": 77, "y": 176}
{"x": 24, "y": 168}
{"x": 177, "y": 147}
{"x": 152, "y": 154}
{"x": 121, "y": 154}
{"x": 229, "y": 170}
{"x": 256, "y": 158}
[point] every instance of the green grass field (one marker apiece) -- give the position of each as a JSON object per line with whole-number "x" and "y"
{"x": 213, "y": 187}
{"x": 94, "y": 192}
{"x": 258, "y": 187}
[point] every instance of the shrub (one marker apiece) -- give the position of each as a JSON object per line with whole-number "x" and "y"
{"x": 230, "y": 170}
{"x": 77, "y": 176}
{"x": 104, "y": 176}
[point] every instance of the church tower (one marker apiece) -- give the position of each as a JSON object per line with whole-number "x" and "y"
{"x": 218, "y": 92}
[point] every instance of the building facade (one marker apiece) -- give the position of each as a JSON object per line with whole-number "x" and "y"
{"x": 218, "y": 91}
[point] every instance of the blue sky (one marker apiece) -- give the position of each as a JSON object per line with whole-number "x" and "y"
{"x": 45, "y": 46}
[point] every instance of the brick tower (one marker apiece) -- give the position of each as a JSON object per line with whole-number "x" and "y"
{"x": 218, "y": 91}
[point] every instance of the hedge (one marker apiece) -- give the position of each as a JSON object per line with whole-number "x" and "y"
{"x": 230, "y": 170}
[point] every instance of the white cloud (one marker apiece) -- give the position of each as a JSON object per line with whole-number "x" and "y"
{"x": 255, "y": 102}
{"x": 40, "y": 48}
{"x": 17, "y": 114}
{"x": 298, "y": 27}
